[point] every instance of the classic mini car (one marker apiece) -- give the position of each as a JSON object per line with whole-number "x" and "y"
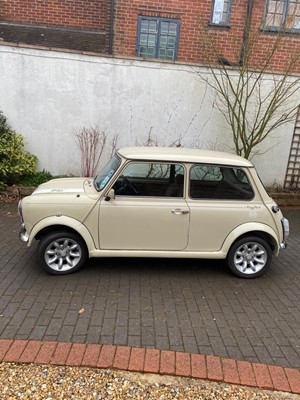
{"x": 157, "y": 202}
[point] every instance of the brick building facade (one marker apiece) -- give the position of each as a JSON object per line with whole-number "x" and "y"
{"x": 175, "y": 30}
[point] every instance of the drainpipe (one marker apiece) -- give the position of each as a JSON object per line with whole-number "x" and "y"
{"x": 111, "y": 27}
{"x": 246, "y": 30}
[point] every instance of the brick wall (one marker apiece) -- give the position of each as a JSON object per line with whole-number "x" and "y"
{"x": 77, "y": 15}
{"x": 90, "y": 14}
{"x": 194, "y": 30}
{"x": 194, "y": 16}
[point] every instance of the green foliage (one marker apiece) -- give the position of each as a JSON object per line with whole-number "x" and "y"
{"x": 36, "y": 179}
{"x": 14, "y": 160}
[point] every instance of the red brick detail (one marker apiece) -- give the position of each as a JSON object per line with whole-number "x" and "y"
{"x": 262, "y": 375}
{"x": 15, "y": 351}
{"x": 61, "y": 353}
{"x": 107, "y": 355}
{"x": 279, "y": 378}
{"x": 293, "y": 376}
{"x": 4, "y": 346}
{"x": 76, "y": 354}
{"x": 214, "y": 368}
{"x": 30, "y": 351}
{"x": 45, "y": 353}
{"x": 74, "y": 13}
{"x": 122, "y": 357}
{"x": 198, "y": 365}
{"x": 137, "y": 360}
{"x": 183, "y": 364}
{"x": 167, "y": 362}
{"x": 230, "y": 371}
{"x": 246, "y": 373}
{"x": 91, "y": 355}
{"x": 152, "y": 361}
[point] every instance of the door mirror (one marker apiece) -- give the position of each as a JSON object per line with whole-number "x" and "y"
{"x": 110, "y": 195}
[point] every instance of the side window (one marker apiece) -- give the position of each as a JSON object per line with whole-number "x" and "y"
{"x": 157, "y": 37}
{"x": 220, "y": 14}
{"x": 151, "y": 179}
{"x": 219, "y": 183}
{"x": 282, "y": 13}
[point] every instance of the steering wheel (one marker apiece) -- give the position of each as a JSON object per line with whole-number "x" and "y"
{"x": 127, "y": 188}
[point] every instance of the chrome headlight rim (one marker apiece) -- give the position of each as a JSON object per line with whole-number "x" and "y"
{"x": 20, "y": 209}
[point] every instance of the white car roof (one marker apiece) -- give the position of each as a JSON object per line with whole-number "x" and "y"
{"x": 182, "y": 154}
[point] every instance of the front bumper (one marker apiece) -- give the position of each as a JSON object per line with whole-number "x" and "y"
{"x": 23, "y": 236}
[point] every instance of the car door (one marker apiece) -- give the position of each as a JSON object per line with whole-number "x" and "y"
{"x": 148, "y": 212}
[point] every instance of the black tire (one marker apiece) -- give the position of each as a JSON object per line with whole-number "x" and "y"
{"x": 62, "y": 252}
{"x": 249, "y": 257}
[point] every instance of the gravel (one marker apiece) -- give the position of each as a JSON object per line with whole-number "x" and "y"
{"x": 30, "y": 382}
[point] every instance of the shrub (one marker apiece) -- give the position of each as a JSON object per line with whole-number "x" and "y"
{"x": 36, "y": 179}
{"x": 15, "y": 162}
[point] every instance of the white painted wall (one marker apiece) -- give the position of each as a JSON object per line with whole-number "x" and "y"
{"x": 47, "y": 96}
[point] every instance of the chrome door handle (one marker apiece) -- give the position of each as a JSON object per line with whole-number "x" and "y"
{"x": 177, "y": 211}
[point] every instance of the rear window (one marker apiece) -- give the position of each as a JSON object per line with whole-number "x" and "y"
{"x": 219, "y": 182}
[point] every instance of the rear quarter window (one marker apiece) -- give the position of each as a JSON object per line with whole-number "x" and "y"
{"x": 219, "y": 183}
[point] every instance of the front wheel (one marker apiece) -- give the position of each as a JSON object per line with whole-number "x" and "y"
{"x": 249, "y": 257}
{"x": 61, "y": 253}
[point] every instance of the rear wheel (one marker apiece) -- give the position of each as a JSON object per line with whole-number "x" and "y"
{"x": 249, "y": 257}
{"x": 61, "y": 253}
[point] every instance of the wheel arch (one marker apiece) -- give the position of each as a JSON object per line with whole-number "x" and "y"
{"x": 260, "y": 230}
{"x": 49, "y": 225}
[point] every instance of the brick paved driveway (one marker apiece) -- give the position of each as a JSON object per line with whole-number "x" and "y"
{"x": 184, "y": 305}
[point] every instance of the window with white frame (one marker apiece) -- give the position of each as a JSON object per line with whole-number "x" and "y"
{"x": 220, "y": 14}
{"x": 157, "y": 37}
{"x": 283, "y": 14}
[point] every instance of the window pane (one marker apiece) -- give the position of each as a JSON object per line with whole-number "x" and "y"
{"x": 293, "y": 17}
{"x": 144, "y": 25}
{"x": 220, "y": 183}
{"x": 171, "y": 41}
{"x": 275, "y": 13}
{"x": 143, "y": 39}
{"x": 163, "y": 41}
{"x": 172, "y": 29}
{"x": 153, "y": 26}
{"x": 158, "y": 38}
{"x": 170, "y": 54}
{"x": 151, "y": 40}
{"x": 164, "y": 27}
{"x": 151, "y": 179}
{"x": 220, "y": 14}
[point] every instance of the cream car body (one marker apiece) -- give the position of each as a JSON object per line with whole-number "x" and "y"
{"x": 132, "y": 209}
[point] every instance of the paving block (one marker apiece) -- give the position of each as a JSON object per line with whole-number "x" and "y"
{"x": 198, "y": 366}
{"x": 122, "y": 357}
{"x": 91, "y": 355}
{"x": 167, "y": 362}
{"x": 214, "y": 368}
{"x": 137, "y": 360}
{"x": 152, "y": 361}
{"x": 107, "y": 355}
{"x": 230, "y": 371}
{"x": 76, "y": 354}
{"x": 183, "y": 364}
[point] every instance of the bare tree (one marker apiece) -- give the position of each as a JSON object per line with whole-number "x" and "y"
{"x": 253, "y": 100}
{"x": 91, "y": 142}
